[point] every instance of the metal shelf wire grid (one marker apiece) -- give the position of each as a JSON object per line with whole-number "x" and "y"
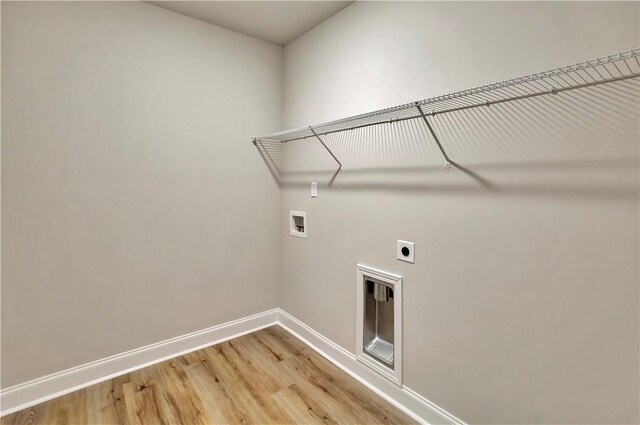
{"x": 602, "y": 70}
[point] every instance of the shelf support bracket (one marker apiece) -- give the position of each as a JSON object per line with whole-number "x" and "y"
{"x": 433, "y": 133}
{"x": 328, "y": 150}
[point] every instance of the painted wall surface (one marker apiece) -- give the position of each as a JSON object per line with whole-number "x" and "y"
{"x": 134, "y": 208}
{"x": 523, "y": 303}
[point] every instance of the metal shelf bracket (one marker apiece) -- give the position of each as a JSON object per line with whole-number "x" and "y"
{"x": 435, "y": 137}
{"x": 328, "y": 150}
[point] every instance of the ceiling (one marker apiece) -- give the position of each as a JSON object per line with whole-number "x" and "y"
{"x": 278, "y": 22}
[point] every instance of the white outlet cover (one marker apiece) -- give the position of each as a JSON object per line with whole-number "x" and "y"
{"x": 410, "y": 257}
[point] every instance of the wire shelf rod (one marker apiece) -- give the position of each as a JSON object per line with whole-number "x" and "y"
{"x": 623, "y": 69}
{"x": 494, "y": 101}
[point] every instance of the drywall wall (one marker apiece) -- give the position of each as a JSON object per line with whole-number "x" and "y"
{"x": 134, "y": 209}
{"x": 522, "y": 306}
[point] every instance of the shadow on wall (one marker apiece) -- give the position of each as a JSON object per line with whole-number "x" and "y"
{"x": 582, "y": 143}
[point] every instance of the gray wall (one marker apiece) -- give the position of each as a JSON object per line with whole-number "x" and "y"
{"x": 522, "y": 306}
{"x": 134, "y": 209}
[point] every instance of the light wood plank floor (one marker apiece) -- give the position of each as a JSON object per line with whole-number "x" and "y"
{"x": 266, "y": 377}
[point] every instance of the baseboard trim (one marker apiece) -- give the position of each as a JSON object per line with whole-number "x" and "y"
{"x": 58, "y": 384}
{"x": 405, "y": 399}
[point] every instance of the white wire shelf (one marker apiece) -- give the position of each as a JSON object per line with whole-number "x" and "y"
{"x": 602, "y": 70}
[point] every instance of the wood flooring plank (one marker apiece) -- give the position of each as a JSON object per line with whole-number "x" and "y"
{"x": 280, "y": 342}
{"x": 353, "y": 390}
{"x": 140, "y": 398}
{"x": 205, "y": 362}
{"x": 177, "y": 400}
{"x": 301, "y": 407}
{"x": 343, "y": 413}
{"x": 237, "y": 390}
{"x": 338, "y": 390}
{"x": 251, "y": 388}
{"x": 267, "y": 377}
{"x": 30, "y": 416}
{"x": 214, "y": 400}
{"x": 105, "y": 402}
{"x": 68, "y": 409}
{"x": 264, "y": 363}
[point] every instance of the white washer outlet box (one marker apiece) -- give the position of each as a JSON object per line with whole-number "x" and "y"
{"x": 406, "y": 251}
{"x": 298, "y": 224}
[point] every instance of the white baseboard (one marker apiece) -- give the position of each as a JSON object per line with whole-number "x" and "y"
{"x": 407, "y": 400}
{"x": 58, "y": 384}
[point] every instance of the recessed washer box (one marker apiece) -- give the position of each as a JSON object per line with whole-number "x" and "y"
{"x": 298, "y": 224}
{"x": 379, "y": 322}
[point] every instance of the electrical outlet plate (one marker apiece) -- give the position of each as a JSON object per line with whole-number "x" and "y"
{"x": 406, "y": 251}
